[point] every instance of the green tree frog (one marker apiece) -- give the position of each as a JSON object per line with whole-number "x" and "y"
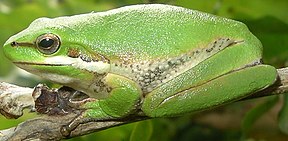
{"x": 156, "y": 60}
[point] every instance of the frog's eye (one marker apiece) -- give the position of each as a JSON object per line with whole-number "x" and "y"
{"x": 48, "y": 43}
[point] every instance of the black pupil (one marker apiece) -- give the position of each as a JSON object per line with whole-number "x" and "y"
{"x": 46, "y": 43}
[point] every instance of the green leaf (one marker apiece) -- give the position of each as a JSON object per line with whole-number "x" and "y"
{"x": 254, "y": 114}
{"x": 283, "y": 116}
{"x": 274, "y": 39}
{"x": 142, "y": 131}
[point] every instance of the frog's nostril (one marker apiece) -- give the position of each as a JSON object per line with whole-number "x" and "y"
{"x": 13, "y": 44}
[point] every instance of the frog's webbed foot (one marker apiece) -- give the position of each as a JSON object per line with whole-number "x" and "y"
{"x": 84, "y": 114}
{"x": 80, "y": 119}
{"x": 84, "y": 118}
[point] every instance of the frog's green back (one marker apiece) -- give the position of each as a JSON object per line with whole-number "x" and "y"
{"x": 145, "y": 31}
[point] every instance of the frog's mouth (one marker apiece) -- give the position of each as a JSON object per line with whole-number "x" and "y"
{"x": 39, "y": 64}
{"x": 98, "y": 67}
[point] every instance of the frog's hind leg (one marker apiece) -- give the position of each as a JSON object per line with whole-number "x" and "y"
{"x": 223, "y": 89}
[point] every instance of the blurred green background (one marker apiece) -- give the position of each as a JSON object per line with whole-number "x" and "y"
{"x": 249, "y": 120}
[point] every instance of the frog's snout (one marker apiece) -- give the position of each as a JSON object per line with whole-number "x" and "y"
{"x": 15, "y": 51}
{"x": 19, "y": 44}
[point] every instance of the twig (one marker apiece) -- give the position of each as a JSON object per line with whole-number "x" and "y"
{"x": 19, "y": 97}
{"x": 48, "y": 127}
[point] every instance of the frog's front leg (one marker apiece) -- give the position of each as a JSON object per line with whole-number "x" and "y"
{"x": 124, "y": 99}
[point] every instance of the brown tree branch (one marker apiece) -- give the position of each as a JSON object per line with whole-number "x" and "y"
{"x": 49, "y": 127}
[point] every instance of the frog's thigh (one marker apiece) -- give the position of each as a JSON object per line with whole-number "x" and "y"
{"x": 124, "y": 95}
{"x": 224, "y": 89}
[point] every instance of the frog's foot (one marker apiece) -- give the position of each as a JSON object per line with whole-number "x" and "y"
{"x": 80, "y": 119}
{"x": 123, "y": 100}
